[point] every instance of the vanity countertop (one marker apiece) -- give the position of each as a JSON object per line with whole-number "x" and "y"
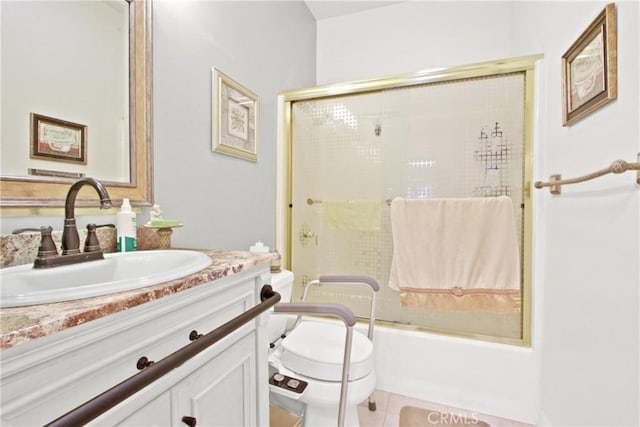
{"x": 21, "y": 324}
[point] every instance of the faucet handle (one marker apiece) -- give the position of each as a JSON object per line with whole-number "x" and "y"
{"x": 47, "y": 248}
{"x": 91, "y": 244}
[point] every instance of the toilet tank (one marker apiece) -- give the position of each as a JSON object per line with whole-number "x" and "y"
{"x": 282, "y": 283}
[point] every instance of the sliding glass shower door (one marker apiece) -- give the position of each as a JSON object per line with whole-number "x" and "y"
{"x": 352, "y": 154}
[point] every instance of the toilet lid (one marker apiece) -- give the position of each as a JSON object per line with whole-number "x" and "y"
{"x": 316, "y": 350}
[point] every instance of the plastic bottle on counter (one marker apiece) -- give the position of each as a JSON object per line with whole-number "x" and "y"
{"x": 126, "y": 226}
{"x": 259, "y": 248}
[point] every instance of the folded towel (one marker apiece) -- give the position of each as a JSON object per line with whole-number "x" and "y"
{"x": 352, "y": 215}
{"x": 455, "y": 248}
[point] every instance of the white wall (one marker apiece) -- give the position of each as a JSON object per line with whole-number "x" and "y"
{"x": 411, "y": 36}
{"x": 590, "y": 265}
{"x": 224, "y": 202}
{"x": 582, "y": 368}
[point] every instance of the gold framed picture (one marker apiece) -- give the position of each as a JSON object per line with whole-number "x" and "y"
{"x": 58, "y": 140}
{"x": 590, "y": 68}
{"x": 235, "y": 118}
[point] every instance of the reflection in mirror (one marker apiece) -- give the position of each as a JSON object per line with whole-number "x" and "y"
{"x": 54, "y": 69}
{"x": 86, "y": 69}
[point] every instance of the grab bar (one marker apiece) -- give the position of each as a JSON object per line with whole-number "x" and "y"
{"x": 346, "y": 315}
{"x": 373, "y": 287}
{"x": 110, "y": 398}
{"x": 618, "y": 166}
{"x": 368, "y": 282}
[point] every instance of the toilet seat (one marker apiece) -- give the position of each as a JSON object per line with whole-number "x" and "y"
{"x": 316, "y": 350}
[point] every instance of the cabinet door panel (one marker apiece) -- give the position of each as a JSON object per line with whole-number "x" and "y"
{"x": 223, "y": 391}
{"x": 156, "y": 413}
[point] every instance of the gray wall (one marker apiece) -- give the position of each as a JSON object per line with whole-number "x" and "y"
{"x": 224, "y": 202}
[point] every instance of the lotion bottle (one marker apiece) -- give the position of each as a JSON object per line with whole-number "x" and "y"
{"x": 126, "y": 226}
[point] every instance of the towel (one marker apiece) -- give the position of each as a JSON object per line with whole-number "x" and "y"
{"x": 352, "y": 215}
{"x": 456, "y": 254}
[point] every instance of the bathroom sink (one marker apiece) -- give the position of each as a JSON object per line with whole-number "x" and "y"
{"x": 25, "y": 285}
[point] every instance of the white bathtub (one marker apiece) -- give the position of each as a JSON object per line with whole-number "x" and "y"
{"x": 496, "y": 379}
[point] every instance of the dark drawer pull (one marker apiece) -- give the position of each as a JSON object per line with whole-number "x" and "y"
{"x": 190, "y": 421}
{"x": 143, "y": 362}
{"x": 194, "y": 335}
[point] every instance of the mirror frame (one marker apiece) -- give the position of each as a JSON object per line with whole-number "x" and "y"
{"x": 32, "y": 191}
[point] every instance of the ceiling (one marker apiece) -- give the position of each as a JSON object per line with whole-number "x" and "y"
{"x": 323, "y": 9}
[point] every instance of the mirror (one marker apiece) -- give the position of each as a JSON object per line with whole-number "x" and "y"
{"x": 75, "y": 128}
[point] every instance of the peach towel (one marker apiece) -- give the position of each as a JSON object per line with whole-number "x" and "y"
{"x": 456, "y": 254}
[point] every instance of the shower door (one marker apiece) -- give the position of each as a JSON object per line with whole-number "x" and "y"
{"x": 352, "y": 154}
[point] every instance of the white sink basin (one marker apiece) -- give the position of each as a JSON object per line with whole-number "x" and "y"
{"x": 25, "y": 285}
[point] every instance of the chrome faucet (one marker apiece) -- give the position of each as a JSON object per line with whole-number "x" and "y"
{"x": 70, "y": 237}
{"x": 48, "y": 255}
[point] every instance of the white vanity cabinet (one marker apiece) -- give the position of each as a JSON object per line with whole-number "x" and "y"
{"x": 224, "y": 385}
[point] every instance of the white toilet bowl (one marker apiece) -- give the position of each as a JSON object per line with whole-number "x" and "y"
{"x": 313, "y": 352}
{"x": 322, "y": 399}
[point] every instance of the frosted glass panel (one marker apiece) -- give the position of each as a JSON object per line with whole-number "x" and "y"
{"x": 352, "y": 154}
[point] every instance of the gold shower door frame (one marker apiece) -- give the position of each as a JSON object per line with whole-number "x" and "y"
{"x": 285, "y": 235}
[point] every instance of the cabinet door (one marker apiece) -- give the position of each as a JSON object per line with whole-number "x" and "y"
{"x": 156, "y": 413}
{"x": 222, "y": 392}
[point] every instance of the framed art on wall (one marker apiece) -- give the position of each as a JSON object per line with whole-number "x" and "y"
{"x": 235, "y": 118}
{"x": 589, "y": 68}
{"x": 58, "y": 140}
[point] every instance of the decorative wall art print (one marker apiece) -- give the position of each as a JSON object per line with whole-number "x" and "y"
{"x": 58, "y": 140}
{"x": 590, "y": 68}
{"x": 235, "y": 118}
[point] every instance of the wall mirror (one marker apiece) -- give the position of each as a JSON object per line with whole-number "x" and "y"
{"x": 76, "y": 100}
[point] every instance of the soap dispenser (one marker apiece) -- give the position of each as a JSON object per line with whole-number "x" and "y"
{"x": 126, "y": 226}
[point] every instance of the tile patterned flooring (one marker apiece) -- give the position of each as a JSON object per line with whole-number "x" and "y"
{"x": 388, "y": 405}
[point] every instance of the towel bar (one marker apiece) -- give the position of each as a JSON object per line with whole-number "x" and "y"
{"x": 618, "y": 166}
{"x": 311, "y": 201}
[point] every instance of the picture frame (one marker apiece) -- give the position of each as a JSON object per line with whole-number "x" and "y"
{"x": 58, "y": 140}
{"x": 234, "y": 118}
{"x": 590, "y": 68}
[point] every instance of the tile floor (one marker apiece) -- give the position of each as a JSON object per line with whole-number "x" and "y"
{"x": 388, "y": 406}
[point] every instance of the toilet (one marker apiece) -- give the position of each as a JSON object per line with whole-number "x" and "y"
{"x": 313, "y": 353}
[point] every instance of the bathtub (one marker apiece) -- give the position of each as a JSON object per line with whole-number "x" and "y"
{"x": 497, "y": 379}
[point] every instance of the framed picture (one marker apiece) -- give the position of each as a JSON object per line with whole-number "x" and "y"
{"x": 58, "y": 140}
{"x": 235, "y": 118}
{"x": 589, "y": 68}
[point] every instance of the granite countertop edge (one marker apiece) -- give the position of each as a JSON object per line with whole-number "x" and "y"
{"x": 21, "y": 324}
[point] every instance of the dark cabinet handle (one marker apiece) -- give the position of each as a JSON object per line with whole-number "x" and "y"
{"x": 190, "y": 421}
{"x": 143, "y": 362}
{"x": 194, "y": 335}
